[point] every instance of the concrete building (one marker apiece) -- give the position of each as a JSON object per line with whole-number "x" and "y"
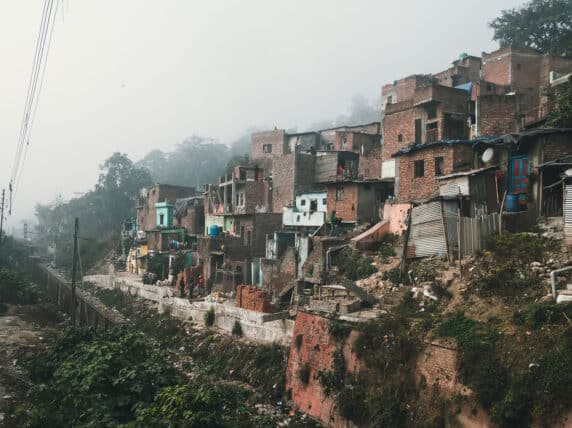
{"x": 309, "y": 210}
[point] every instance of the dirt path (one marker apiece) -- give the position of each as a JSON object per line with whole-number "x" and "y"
{"x": 24, "y": 331}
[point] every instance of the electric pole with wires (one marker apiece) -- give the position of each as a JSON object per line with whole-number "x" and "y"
{"x": 73, "y": 302}
{"x": 2, "y": 216}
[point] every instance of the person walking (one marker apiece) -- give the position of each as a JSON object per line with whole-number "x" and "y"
{"x": 333, "y": 221}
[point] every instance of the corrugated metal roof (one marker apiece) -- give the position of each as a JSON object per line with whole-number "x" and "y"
{"x": 424, "y": 146}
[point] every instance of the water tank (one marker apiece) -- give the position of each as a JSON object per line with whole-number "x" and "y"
{"x": 511, "y": 203}
{"x": 213, "y": 231}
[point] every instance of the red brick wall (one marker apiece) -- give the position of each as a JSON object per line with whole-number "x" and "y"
{"x": 282, "y": 182}
{"x": 193, "y": 221}
{"x": 259, "y": 139}
{"x": 395, "y": 124}
{"x": 413, "y": 189}
{"x": 557, "y": 146}
{"x": 496, "y": 67}
{"x": 559, "y": 64}
{"x": 347, "y": 209}
{"x": 251, "y": 298}
{"x": 496, "y": 114}
{"x": 437, "y": 364}
{"x": 316, "y": 350}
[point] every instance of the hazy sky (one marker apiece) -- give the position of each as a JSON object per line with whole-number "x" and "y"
{"x": 133, "y": 75}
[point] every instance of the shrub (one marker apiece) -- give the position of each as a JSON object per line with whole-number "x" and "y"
{"x": 304, "y": 373}
{"x": 480, "y": 367}
{"x": 15, "y": 288}
{"x": 353, "y": 265}
{"x": 536, "y": 315}
{"x": 209, "y": 317}
{"x": 237, "y": 329}
{"x": 339, "y": 330}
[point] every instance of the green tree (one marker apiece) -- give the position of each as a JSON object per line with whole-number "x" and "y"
{"x": 561, "y": 106}
{"x": 545, "y": 25}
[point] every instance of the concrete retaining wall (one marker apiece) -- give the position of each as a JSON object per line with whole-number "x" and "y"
{"x": 256, "y": 326}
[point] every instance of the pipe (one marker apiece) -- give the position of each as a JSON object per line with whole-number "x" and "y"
{"x": 553, "y": 278}
{"x": 329, "y": 250}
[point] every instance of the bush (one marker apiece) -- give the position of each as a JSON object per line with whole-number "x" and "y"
{"x": 480, "y": 368}
{"x": 209, "y": 317}
{"x": 353, "y": 265}
{"x": 94, "y": 378}
{"x": 16, "y": 289}
{"x": 536, "y": 315}
{"x": 304, "y": 373}
{"x": 237, "y": 329}
{"x": 339, "y": 330}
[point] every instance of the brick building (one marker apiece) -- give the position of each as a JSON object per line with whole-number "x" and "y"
{"x": 146, "y": 213}
{"x": 421, "y": 165}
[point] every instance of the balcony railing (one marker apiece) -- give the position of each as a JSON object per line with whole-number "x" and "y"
{"x": 432, "y": 135}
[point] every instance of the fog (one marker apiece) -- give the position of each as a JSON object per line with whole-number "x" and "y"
{"x": 138, "y": 75}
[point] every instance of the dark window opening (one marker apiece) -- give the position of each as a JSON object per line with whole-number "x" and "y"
{"x": 324, "y": 201}
{"x": 418, "y": 168}
{"x": 161, "y": 218}
{"x": 439, "y": 164}
{"x": 303, "y": 202}
{"x": 249, "y": 237}
{"x": 432, "y": 132}
{"x": 340, "y": 194}
{"x": 431, "y": 112}
{"x": 518, "y": 66}
{"x": 267, "y": 148}
{"x": 389, "y": 100}
{"x": 400, "y": 138}
{"x": 314, "y": 205}
{"x": 417, "y": 131}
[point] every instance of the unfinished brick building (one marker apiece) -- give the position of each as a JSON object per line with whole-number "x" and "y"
{"x": 146, "y": 215}
{"x": 500, "y": 93}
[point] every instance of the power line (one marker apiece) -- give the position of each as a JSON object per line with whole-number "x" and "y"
{"x": 33, "y": 93}
{"x": 30, "y": 127}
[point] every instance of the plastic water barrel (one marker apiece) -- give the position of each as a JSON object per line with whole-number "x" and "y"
{"x": 511, "y": 203}
{"x": 213, "y": 230}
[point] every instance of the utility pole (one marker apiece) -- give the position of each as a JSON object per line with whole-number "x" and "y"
{"x": 2, "y": 216}
{"x": 72, "y": 307}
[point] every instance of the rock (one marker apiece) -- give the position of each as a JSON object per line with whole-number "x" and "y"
{"x": 547, "y": 298}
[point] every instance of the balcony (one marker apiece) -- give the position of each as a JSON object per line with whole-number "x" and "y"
{"x": 432, "y": 135}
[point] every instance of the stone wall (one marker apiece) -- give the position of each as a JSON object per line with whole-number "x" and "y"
{"x": 252, "y": 298}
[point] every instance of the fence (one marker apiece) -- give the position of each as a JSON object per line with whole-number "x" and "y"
{"x": 438, "y": 230}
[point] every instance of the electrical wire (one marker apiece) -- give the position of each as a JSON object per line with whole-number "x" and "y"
{"x": 43, "y": 44}
{"x": 31, "y": 125}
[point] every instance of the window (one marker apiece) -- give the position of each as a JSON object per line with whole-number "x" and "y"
{"x": 267, "y": 148}
{"x": 314, "y": 205}
{"x": 340, "y": 194}
{"x": 431, "y": 112}
{"x": 161, "y": 219}
{"x": 324, "y": 202}
{"x": 303, "y": 202}
{"x": 439, "y": 164}
{"x": 389, "y": 100}
{"x": 249, "y": 237}
{"x": 400, "y": 138}
{"x": 418, "y": 131}
{"x": 418, "y": 168}
{"x": 518, "y": 66}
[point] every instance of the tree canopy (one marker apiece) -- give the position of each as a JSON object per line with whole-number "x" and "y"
{"x": 545, "y": 25}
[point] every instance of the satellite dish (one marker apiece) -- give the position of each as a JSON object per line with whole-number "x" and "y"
{"x": 568, "y": 172}
{"x": 488, "y": 155}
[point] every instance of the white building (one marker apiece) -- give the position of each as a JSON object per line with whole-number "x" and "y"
{"x": 309, "y": 210}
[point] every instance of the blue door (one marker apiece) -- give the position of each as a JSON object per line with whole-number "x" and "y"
{"x": 518, "y": 175}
